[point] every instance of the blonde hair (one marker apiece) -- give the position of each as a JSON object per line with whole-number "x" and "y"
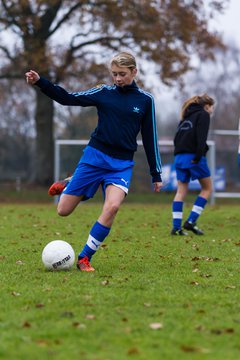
{"x": 203, "y": 100}
{"x": 124, "y": 59}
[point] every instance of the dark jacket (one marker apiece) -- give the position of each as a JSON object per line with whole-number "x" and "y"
{"x": 192, "y": 132}
{"x": 122, "y": 113}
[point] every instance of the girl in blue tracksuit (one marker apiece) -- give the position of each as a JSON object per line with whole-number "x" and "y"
{"x": 190, "y": 162}
{"x": 124, "y": 110}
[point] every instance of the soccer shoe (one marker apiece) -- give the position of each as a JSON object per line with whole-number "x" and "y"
{"x": 179, "y": 232}
{"x": 84, "y": 264}
{"x": 193, "y": 227}
{"x": 58, "y": 187}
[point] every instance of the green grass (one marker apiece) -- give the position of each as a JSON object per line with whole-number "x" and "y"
{"x": 188, "y": 286}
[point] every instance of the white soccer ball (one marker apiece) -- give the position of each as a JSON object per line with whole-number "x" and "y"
{"x": 58, "y": 255}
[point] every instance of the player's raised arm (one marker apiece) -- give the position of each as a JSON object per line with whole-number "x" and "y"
{"x": 32, "y": 77}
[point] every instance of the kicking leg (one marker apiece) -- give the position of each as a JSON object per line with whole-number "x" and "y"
{"x": 100, "y": 230}
{"x": 67, "y": 204}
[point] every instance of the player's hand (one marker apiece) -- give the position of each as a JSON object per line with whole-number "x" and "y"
{"x": 32, "y": 77}
{"x": 157, "y": 186}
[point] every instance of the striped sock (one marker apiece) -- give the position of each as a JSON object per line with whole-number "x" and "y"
{"x": 95, "y": 239}
{"x": 197, "y": 209}
{"x": 177, "y": 214}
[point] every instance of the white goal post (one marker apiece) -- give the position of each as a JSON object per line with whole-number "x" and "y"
{"x": 168, "y": 143}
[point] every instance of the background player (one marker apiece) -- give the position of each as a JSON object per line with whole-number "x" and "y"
{"x": 190, "y": 150}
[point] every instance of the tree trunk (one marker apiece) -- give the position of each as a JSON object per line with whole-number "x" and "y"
{"x": 44, "y": 139}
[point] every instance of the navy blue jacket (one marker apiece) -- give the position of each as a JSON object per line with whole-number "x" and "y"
{"x": 122, "y": 113}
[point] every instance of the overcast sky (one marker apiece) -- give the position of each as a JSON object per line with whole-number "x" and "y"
{"x": 229, "y": 23}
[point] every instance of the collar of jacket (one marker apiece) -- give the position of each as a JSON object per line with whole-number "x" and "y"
{"x": 192, "y": 109}
{"x": 127, "y": 88}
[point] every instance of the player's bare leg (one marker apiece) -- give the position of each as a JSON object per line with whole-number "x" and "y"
{"x": 113, "y": 200}
{"x": 67, "y": 204}
{"x": 206, "y": 187}
{"x": 114, "y": 196}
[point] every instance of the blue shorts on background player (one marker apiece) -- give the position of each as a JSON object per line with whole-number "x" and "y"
{"x": 123, "y": 110}
{"x": 190, "y": 162}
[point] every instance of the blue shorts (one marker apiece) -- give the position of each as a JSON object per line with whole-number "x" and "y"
{"x": 87, "y": 179}
{"x": 187, "y": 171}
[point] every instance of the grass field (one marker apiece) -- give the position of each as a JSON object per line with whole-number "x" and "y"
{"x": 152, "y": 296}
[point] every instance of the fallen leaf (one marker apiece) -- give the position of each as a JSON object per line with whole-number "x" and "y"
{"x": 105, "y": 282}
{"x": 90, "y": 317}
{"x": 26, "y": 324}
{"x": 200, "y": 328}
{"x": 133, "y": 351}
{"x": 42, "y": 342}
{"x": 206, "y": 275}
{"x": 195, "y": 246}
{"x": 201, "y": 311}
{"x": 195, "y": 349}
{"x": 229, "y": 331}
{"x": 147, "y": 304}
{"x": 79, "y": 325}
{"x": 156, "y": 326}
{"x": 39, "y": 305}
{"x": 19, "y": 262}
{"x": 14, "y": 293}
{"x": 230, "y": 287}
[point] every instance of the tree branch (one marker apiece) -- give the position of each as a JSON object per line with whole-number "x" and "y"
{"x": 64, "y": 19}
{"x": 10, "y": 13}
{"x": 47, "y": 19}
{"x": 7, "y": 53}
{"x": 100, "y": 40}
{"x": 71, "y": 10}
{"x": 11, "y": 75}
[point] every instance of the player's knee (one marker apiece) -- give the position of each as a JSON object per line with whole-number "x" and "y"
{"x": 206, "y": 193}
{"x": 62, "y": 211}
{"x": 113, "y": 208}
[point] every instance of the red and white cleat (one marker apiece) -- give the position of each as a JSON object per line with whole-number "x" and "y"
{"x": 58, "y": 187}
{"x": 84, "y": 264}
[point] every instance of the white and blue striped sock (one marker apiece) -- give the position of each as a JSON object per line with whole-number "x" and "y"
{"x": 197, "y": 209}
{"x": 97, "y": 234}
{"x": 177, "y": 214}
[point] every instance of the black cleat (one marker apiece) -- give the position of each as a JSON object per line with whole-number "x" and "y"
{"x": 179, "y": 232}
{"x": 193, "y": 227}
